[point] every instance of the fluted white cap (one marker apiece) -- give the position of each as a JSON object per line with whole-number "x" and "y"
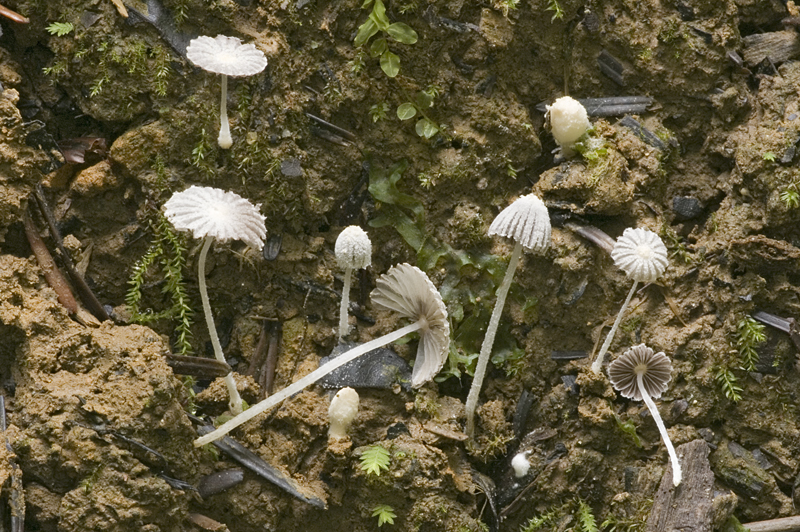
{"x": 568, "y": 120}
{"x": 226, "y": 55}
{"x": 406, "y": 290}
{"x": 342, "y": 412}
{"x": 207, "y": 211}
{"x": 353, "y": 248}
{"x": 656, "y": 370}
{"x": 641, "y": 254}
{"x": 526, "y": 221}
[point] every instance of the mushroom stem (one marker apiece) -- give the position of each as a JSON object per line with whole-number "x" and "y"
{"x": 488, "y": 340}
{"x": 676, "y": 466}
{"x": 235, "y": 401}
{"x": 344, "y": 327}
{"x": 309, "y": 379}
{"x": 224, "y": 140}
{"x": 597, "y": 365}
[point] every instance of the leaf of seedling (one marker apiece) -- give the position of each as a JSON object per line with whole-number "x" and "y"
{"x": 366, "y": 4}
{"x": 402, "y": 33}
{"x": 426, "y": 128}
{"x": 378, "y": 15}
{"x": 374, "y": 460}
{"x": 378, "y": 47}
{"x": 384, "y": 513}
{"x": 60, "y": 28}
{"x": 406, "y": 111}
{"x": 424, "y": 100}
{"x": 390, "y": 63}
{"x": 365, "y": 32}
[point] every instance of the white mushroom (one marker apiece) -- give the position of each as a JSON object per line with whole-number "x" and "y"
{"x": 214, "y": 214}
{"x": 342, "y": 412}
{"x": 642, "y": 255}
{"x": 229, "y": 57}
{"x": 528, "y": 223}
{"x": 353, "y": 251}
{"x": 640, "y": 374}
{"x": 568, "y": 121}
{"x": 408, "y": 291}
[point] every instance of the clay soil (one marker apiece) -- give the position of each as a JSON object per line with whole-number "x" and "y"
{"x": 709, "y": 162}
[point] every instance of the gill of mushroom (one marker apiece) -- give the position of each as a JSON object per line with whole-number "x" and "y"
{"x": 642, "y": 255}
{"x": 353, "y": 251}
{"x": 229, "y": 57}
{"x": 527, "y": 222}
{"x": 641, "y": 374}
{"x": 404, "y": 289}
{"x": 213, "y": 214}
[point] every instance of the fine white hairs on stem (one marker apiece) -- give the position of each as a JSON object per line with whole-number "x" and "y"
{"x": 353, "y": 251}
{"x": 642, "y": 255}
{"x": 229, "y": 57}
{"x": 527, "y": 222}
{"x": 640, "y": 374}
{"x": 408, "y": 291}
{"x": 342, "y": 412}
{"x": 568, "y": 121}
{"x": 213, "y": 214}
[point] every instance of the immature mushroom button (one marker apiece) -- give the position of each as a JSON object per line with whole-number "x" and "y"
{"x": 229, "y": 57}
{"x": 568, "y": 120}
{"x": 342, "y": 412}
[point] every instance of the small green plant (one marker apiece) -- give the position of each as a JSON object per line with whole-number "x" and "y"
{"x": 547, "y": 519}
{"x": 425, "y": 126}
{"x": 586, "y": 520}
{"x": 629, "y": 429}
{"x": 768, "y": 156}
{"x": 790, "y": 196}
{"x": 506, "y": 5}
{"x": 384, "y": 513}
{"x": 749, "y": 334}
{"x": 378, "y": 111}
{"x": 727, "y": 382}
{"x": 60, "y": 29}
{"x": 675, "y": 244}
{"x": 397, "y": 31}
{"x": 374, "y": 460}
{"x": 558, "y": 13}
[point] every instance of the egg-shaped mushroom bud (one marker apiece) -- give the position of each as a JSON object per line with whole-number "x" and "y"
{"x": 404, "y": 289}
{"x": 568, "y": 121}
{"x": 640, "y": 374}
{"x": 229, "y": 57}
{"x": 527, "y": 222}
{"x": 353, "y": 251}
{"x": 342, "y": 412}
{"x": 642, "y": 255}
{"x": 213, "y": 214}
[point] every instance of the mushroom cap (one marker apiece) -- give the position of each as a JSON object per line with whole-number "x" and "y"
{"x": 406, "y": 290}
{"x": 207, "y": 211}
{"x": 568, "y": 120}
{"x": 527, "y": 221}
{"x": 656, "y": 370}
{"x": 226, "y": 55}
{"x": 353, "y": 248}
{"x": 641, "y": 254}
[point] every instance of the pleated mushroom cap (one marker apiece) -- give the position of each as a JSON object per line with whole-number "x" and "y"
{"x": 207, "y": 211}
{"x": 353, "y": 248}
{"x": 641, "y": 254}
{"x": 526, "y": 221}
{"x": 226, "y": 55}
{"x": 656, "y": 370}
{"x": 406, "y": 290}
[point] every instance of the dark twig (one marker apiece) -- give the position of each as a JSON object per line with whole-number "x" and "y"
{"x": 87, "y": 296}
{"x": 16, "y": 499}
{"x": 268, "y": 371}
{"x": 789, "y": 325}
{"x": 202, "y": 368}
{"x": 51, "y": 274}
{"x": 343, "y": 132}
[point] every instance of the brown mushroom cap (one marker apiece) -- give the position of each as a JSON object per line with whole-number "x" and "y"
{"x": 406, "y": 290}
{"x": 656, "y": 370}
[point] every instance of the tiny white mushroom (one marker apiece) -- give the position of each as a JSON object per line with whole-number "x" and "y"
{"x": 213, "y": 214}
{"x": 229, "y": 57}
{"x": 642, "y": 255}
{"x": 568, "y": 121}
{"x": 342, "y": 412}
{"x": 404, "y": 289}
{"x": 520, "y": 464}
{"x": 353, "y": 251}
{"x": 527, "y": 222}
{"x": 640, "y": 374}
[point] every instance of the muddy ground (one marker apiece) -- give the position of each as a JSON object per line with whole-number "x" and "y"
{"x": 714, "y": 172}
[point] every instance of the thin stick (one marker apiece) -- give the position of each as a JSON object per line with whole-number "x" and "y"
{"x": 308, "y": 380}
{"x": 488, "y": 340}
{"x": 676, "y": 466}
{"x": 597, "y": 365}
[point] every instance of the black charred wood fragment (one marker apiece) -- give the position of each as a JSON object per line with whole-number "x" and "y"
{"x": 707, "y": 37}
{"x": 486, "y": 86}
{"x": 272, "y": 247}
{"x": 571, "y": 384}
{"x": 524, "y": 404}
{"x": 333, "y": 127}
{"x": 266, "y": 378}
{"x": 611, "y": 67}
{"x": 686, "y": 12}
{"x": 778, "y": 46}
{"x": 610, "y": 106}
{"x": 568, "y": 355}
{"x": 36, "y": 136}
{"x": 163, "y": 21}
{"x": 766, "y": 68}
{"x": 331, "y": 137}
{"x": 220, "y": 481}
{"x": 14, "y": 492}
{"x": 380, "y": 368}
{"x": 488, "y": 487}
{"x": 643, "y": 133}
{"x": 202, "y": 368}
{"x": 787, "y": 325}
{"x": 176, "y": 483}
